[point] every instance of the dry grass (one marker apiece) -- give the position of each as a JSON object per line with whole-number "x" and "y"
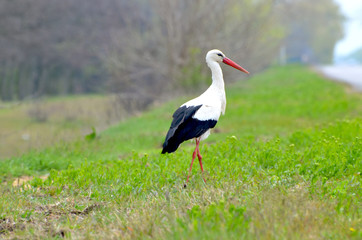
{"x": 42, "y": 123}
{"x": 270, "y": 213}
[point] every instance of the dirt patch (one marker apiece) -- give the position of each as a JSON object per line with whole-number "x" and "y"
{"x": 7, "y": 226}
{"x": 44, "y": 218}
{"x": 65, "y": 208}
{"x": 87, "y": 210}
{"x": 23, "y": 181}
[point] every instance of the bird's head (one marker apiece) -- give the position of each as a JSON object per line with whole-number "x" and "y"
{"x": 216, "y": 55}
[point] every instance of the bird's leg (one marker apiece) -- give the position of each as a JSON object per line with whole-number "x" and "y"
{"x": 192, "y": 162}
{"x": 199, "y": 157}
{"x": 198, "y": 154}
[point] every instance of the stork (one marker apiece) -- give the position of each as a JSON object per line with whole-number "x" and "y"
{"x": 195, "y": 118}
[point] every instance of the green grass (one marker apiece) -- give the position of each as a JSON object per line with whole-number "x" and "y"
{"x": 284, "y": 163}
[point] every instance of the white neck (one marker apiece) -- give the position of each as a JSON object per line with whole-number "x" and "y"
{"x": 217, "y": 77}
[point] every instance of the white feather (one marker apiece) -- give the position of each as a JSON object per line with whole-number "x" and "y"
{"x": 213, "y": 100}
{"x": 205, "y": 135}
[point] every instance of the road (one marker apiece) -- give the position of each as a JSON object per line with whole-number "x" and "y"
{"x": 349, "y": 74}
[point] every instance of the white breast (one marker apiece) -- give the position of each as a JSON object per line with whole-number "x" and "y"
{"x": 208, "y": 112}
{"x": 213, "y": 104}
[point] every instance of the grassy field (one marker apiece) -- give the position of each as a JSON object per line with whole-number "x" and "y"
{"x": 40, "y": 123}
{"x": 284, "y": 163}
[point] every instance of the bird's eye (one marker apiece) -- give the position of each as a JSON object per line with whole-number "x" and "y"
{"x": 219, "y": 54}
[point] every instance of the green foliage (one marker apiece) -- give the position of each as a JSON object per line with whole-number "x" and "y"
{"x": 91, "y": 136}
{"x": 192, "y": 77}
{"x": 294, "y": 174}
{"x": 216, "y": 218}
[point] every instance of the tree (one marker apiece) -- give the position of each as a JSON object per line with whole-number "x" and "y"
{"x": 51, "y": 47}
{"x": 168, "y": 51}
{"x": 59, "y": 47}
{"x": 313, "y": 29}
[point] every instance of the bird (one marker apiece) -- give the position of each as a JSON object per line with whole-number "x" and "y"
{"x": 195, "y": 118}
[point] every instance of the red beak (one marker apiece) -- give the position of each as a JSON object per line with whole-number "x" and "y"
{"x": 234, "y": 64}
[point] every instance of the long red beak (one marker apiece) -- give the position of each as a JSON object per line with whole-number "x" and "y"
{"x": 234, "y": 64}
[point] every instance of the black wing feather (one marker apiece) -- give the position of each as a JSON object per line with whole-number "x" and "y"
{"x": 184, "y": 127}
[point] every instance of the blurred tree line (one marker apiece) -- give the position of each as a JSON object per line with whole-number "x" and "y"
{"x": 50, "y": 47}
{"x": 314, "y": 27}
{"x": 355, "y": 56}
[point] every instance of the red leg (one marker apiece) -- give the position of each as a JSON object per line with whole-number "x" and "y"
{"x": 199, "y": 157}
{"x": 193, "y": 158}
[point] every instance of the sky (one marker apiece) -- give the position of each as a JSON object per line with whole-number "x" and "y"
{"x": 352, "y": 10}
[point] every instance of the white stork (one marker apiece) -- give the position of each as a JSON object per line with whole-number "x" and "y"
{"x": 195, "y": 118}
